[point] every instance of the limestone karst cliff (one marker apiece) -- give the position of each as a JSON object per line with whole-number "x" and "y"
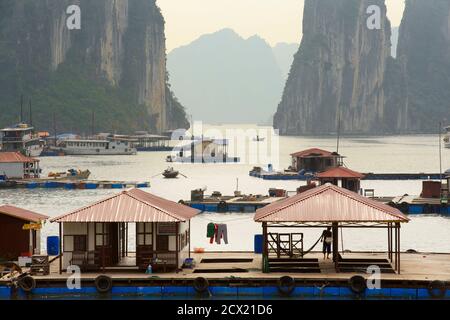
{"x": 423, "y": 56}
{"x": 339, "y": 69}
{"x": 115, "y": 65}
{"x": 344, "y": 68}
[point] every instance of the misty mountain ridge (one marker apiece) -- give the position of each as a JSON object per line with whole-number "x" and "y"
{"x": 223, "y": 78}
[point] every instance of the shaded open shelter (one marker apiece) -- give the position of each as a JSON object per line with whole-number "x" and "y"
{"x": 322, "y": 207}
{"x": 341, "y": 177}
{"x": 96, "y": 236}
{"x": 14, "y": 240}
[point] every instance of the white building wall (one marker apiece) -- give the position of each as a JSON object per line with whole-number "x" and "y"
{"x": 12, "y": 170}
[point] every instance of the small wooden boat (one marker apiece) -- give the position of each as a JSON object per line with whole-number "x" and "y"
{"x": 71, "y": 174}
{"x": 259, "y": 139}
{"x": 170, "y": 173}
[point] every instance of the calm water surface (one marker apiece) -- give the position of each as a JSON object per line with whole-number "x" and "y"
{"x": 365, "y": 154}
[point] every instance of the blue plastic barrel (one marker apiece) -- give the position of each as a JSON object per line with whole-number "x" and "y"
{"x": 258, "y": 243}
{"x": 53, "y": 246}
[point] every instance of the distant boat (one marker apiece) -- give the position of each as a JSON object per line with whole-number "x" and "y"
{"x": 170, "y": 173}
{"x": 259, "y": 139}
{"x": 94, "y": 147}
{"x": 447, "y": 137}
{"x": 22, "y": 138}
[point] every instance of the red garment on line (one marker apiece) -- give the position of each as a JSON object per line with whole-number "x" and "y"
{"x": 211, "y": 240}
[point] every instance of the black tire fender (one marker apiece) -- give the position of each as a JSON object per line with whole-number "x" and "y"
{"x": 222, "y": 207}
{"x": 201, "y": 285}
{"x": 103, "y": 284}
{"x": 358, "y": 284}
{"x": 27, "y": 283}
{"x": 286, "y": 286}
{"x": 437, "y": 289}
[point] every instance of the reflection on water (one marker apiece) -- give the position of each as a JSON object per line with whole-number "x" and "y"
{"x": 368, "y": 154}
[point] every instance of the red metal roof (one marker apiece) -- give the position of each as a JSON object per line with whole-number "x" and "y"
{"x": 340, "y": 172}
{"x": 15, "y": 157}
{"x": 131, "y": 206}
{"x": 329, "y": 203}
{"x": 313, "y": 152}
{"x": 22, "y": 214}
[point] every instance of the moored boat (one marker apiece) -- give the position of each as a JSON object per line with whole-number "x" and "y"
{"x": 22, "y": 138}
{"x": 71, "y": 174}
{"x": 95, "y": 147}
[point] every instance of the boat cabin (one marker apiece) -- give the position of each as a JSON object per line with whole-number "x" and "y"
{"x": 14, "y": 165}
{"x": 205, "y": 150}
{"x": 315, "y": 160}
{"x": 14, "y": 240}
{"x": 341, "y": 177}
{"x": 99, "y": 236}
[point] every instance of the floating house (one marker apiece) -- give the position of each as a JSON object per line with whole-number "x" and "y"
{"x": 341, "y": 177}
{"x": 323, "y": 207}
{"x": 15, "y": 165}
{"x": 96, "y": 237}
{"x": 14, "y": 240}
{"x": 204, "y": 150}
{"x": 315, "y": 160}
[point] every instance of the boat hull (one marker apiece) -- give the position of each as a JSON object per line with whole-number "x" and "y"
{"x": 96, "y": 152}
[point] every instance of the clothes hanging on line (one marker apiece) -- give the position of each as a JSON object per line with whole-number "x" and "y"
{"x": 222, "y": 232}
{"x": 217, "y": 232}
{"x": 210, "y": 230}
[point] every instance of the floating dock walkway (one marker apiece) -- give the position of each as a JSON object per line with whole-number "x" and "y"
{"x": 416, "y": 204}
{"x": 238, "y": 275}
{"x": 368, "y": 176}
{"x": 247, "y": 204}
{"x": 73, "y": 185}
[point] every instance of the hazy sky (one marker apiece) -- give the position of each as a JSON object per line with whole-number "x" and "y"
{"x": 274, "y": 20}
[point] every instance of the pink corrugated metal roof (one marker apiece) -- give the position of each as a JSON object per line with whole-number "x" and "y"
{"x": 329, "y": 203}
{"x": 16, "y": 157}
{"x": 25, "y": 215}
{"x": 131, "y": 206}
{"x": 313, "y": 152}
{"x": 340, "y": 172}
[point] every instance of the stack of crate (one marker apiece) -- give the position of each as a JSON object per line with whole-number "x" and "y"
{"x": 40, "y": 265}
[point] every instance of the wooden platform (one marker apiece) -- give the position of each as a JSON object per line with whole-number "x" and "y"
{"x": 414, "y": 267}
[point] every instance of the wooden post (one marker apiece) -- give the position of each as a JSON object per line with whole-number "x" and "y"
{"x": 189, "y": 242}
{"x": 399, "y": 250}
{"x": 265, "y": 245}
{"x": 60, "y": 248}
{"x": 177, "y": 245}
{"x": 389, "y": 240}
{"x": 395, "y": 248}
{"x": 335, "y": 231}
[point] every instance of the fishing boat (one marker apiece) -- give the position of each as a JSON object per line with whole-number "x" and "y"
{"x": 94, "y": 147}
{"x": 259, "y": 139}
{"x": 170, "y": 173}
{"x": 22, "y": 138}
{"x": 447, "y": 137}
{"x": 70, "y": 174}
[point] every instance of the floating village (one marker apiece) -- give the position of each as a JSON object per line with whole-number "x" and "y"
{"x": 94, "y": 239}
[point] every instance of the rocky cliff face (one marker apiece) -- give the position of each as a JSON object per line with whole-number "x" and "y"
{"x": 424, "y": 61}
{"x": 339, "y": 68}
{"x": 124, "y": 55}
{"x": 344, "y": 68}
